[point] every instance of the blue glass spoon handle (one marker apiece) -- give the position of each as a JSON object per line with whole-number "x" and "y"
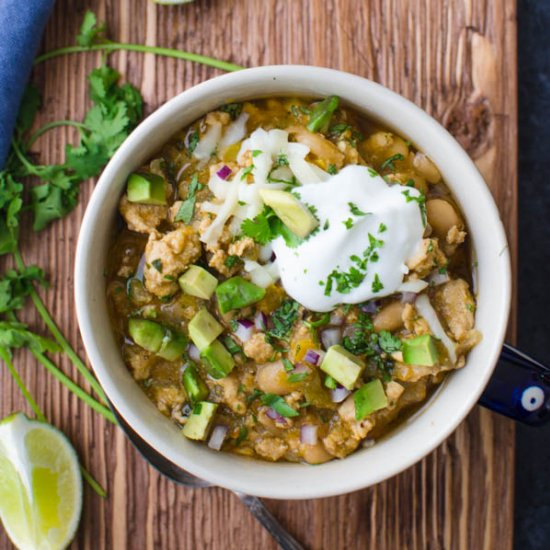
{"x": 519, "y": 388}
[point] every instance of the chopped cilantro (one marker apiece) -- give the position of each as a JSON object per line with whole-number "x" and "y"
{"x": 382, "y": 227}
{"x": 247, "y": 171}
{"x": 470, "y": 307}
{"x": 327, "y": 225}
{"x": 332, "y": 170}
{"x": 234, "y": 325}
{"x": 256, "y": 152}
{"x": 420, "y": 199}
{"x": 234, "y": 109}
{"x": 283, "y": 318}
{"x": 338, "y": 129}
{"x": 377, "y": 285}
{"x": 193, "y": 141}
{"x": 373, "y": 173}
{"x": 282, "y": 160}
{"x": 157, "y": 264}
{"x": 243, "y": 434}
{"x": 254, "y": 395}
{"x": 288, "y": 365}
{"x": 231, "y": 261}
{"x": 348, "y": 223}
{"x": 187, "y": 208}
{"x": 389, "y": 162}
{"x": 443, "y": 270}
{"x": 388, "y": 342}
{"x": 266, "y": 226}
{"x": 354, "y": 209}
{"x": 279, "y": 405}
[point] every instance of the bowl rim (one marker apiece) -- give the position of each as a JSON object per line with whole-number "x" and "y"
{"x": 268, "y": 484}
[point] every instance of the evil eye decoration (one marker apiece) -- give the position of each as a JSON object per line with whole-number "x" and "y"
{"x": 532, "y": 398}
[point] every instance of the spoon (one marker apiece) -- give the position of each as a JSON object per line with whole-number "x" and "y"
{"x": 180, "y": 476}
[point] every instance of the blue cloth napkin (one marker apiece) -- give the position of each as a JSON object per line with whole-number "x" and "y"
{"x": 22, "y": 23}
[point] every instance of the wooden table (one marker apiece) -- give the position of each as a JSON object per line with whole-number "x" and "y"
{"x": 454, "y": 58}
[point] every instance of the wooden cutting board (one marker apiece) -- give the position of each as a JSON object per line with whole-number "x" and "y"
{"x": 454, "y": 58}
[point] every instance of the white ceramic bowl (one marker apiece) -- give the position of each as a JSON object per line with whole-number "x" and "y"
{"x": 412, "y": 440}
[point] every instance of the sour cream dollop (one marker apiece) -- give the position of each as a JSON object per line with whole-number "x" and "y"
{"x": 367, "y": 232}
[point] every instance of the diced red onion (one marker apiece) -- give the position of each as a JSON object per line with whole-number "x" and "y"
{"x": 308, "y": 434}
{"x": 336, "y": 319}
{"x": 370, "y": 307}
{"x": 217, "y": 437}
{"x": 224, "y": 172}
{"x": 436, "y": 278}
{"x": 274, "y": 415}
{"x": 338, "y": 394}
{"x": 314, "y": 356}
{"x": 245, "y": 329}
{"x": 260, "y": 320}
{"x": 408, "y": 297}
{"x": 331, "y": 337}
{"x": 193, "y": 352}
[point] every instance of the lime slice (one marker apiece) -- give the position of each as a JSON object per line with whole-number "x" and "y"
{"x": 40, "y": 484}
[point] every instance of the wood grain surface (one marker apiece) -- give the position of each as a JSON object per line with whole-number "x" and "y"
{"x": 454, "y": 58}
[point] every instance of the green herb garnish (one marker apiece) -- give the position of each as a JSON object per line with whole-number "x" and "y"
{"x": 187, "y": 208}
{"x": 389, "y": 162}
{"x": 279, "y": 405}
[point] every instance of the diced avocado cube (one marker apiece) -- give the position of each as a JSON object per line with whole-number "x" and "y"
{"x": 420, "y": 351}
{"x": 194, "y": 385}
{"x": 368, "y": 398}
{"x": 199, "y": 421}
{"x": 204, "y": 329}
{"x": 343, "y": 366}
{"x": 146, "y": 334}
{"x": 291, "y": 211}
{"x": 218, "y": 361}
{"x": 236, "y": 293}
{"x": 146, "y": 189}
{"x": 173, "y": 345}
{"x": 196, "y": 281}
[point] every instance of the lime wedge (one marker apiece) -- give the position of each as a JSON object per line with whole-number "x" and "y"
{"x": 40, "y": 484}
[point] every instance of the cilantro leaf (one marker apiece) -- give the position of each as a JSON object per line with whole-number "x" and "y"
{"x": 233, "y": 109}
{"x": 17, "y": 285}
{"x": 279, "y": 405}
{"x": 10, "y": 206}
{"x": 16, "y": 335}
{"x": 283, "y": 318}
{"x": 266, "y": 226}
{"x": 388, "y": 342}
{"x": 90, "y": 31}
{"x": 187, "y": 208}
{"x": 389, "y": 162}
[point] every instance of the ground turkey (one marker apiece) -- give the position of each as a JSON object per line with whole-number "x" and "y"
{"x": 167, "y": 257}
{"x": 258, "y": 349}
{"x": 456, "y": 304}
{"x": 143, "y": 218}
{"x": 271, "y": 448}
{"x": 427, "y": 258}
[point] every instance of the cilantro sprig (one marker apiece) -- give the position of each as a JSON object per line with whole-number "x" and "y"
{"x": 266, "y": 226}
{"x": 115, "y": 110}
